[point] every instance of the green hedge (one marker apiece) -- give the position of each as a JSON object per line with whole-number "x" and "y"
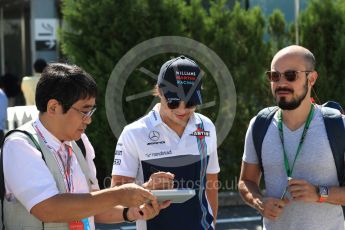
{"x": 98, "y": 33}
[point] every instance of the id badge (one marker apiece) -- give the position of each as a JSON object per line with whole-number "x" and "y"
{"x": 79, "y": 225}
{"x": 86, "y": 223}
{"x": 76, "y": 225}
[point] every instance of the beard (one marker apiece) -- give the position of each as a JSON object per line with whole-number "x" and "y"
{"x": 295, "y": 102}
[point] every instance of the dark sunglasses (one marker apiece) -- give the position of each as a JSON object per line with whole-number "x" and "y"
{"x": 290, "y": 75}
{"x": 176, "y": 104}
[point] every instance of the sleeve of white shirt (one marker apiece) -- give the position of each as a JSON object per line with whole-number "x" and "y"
{"x": 26, "y": 175}
{"x": 90, "y": 156}
{"x": 126, "y": 159}
{"x": 213, "y": 164}
{"x": 249, "y": 155}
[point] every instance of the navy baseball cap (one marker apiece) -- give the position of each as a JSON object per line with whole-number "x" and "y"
{"x": 180, "y": 79}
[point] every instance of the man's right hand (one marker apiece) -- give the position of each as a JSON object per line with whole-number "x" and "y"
{"x": 160, "y": 180}
{"x": 133, "y": 195}
{"x": 270, "y": 208}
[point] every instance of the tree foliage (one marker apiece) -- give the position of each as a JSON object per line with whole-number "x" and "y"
{"x": 322, "y": 29}
{"x": 98, "y": 33}
{"x": 277, "y": 30}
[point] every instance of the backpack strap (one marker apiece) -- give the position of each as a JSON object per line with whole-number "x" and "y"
{"x": 259, "y": 129}
{"x": 1, "y": 137}
{"x": 336, "y": 135}
{"x": 81, "y": 145}
{"x": 334, "y": 105}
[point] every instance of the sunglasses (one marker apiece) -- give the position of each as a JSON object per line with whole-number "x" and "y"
{"x": 290, "y": 75}
{"x": 175, "y": 104}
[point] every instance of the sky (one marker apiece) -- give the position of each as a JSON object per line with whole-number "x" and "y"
{"x": 286, "y": 6}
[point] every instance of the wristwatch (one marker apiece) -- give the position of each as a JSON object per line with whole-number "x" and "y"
{"x": 323, "y": 193}
{"x": 125, "y": 217}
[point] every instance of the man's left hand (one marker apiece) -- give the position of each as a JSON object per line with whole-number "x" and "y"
{"x": 147, "y": 211}
{"x": 302, "y": 190}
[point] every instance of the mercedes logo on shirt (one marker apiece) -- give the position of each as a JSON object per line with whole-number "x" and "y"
{"x": 154, "y": 136}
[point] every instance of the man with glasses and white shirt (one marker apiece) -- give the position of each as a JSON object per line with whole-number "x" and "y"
{"x": 302, "y": 187}
{"x": 173, "y": 138}
{"x": 46, "y": 182}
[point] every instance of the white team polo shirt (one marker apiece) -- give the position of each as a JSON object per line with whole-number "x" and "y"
{"x": 148, "y": 145}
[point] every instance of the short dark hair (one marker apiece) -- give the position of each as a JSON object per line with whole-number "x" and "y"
{"x": 65, "y": 83}
{"x": 1, "y": 82}
{"x": 10, "y": 84}
{"x": 39, "y": 65}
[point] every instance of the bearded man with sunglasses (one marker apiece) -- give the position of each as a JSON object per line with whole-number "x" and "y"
{"x": 177, "y": 142}
{"x": 302, "y": 188}
{"x": 46, "y": 182}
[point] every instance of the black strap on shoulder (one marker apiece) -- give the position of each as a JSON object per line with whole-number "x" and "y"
{"x": 336, "y": 136}
{"x": 1, "y": 137}
{"x": 259, "y": 129}
{"x": 2, "y": 179}
{"x": 334, "y": 105}
{"x": 81, "y": 145}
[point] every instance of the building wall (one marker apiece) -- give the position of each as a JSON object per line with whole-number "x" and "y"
{"x": 18, "y": 27}
{"x": 44, "y": 12}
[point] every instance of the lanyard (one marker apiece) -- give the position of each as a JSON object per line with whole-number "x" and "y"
{"x": 64, "y": 166}
{"x": 67, "y": 167}
{"x": 280, "y": 128}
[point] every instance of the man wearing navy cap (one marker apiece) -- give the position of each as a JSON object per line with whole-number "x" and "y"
{"x": 173, "y": 138}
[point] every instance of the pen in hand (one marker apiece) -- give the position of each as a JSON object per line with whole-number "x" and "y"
{"x": 285, "y": 190}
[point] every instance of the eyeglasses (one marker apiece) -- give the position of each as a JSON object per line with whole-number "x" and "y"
{"x": 175, "y": 104}
{"x": 85, "y": 114}
{"x": 290, "y": 75}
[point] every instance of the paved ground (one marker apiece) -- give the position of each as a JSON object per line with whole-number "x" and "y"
{"x": 229, "y": 218}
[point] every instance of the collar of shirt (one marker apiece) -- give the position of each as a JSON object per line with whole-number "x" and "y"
{"x": 156, "y": 119}
{"x": 51, "y": 140}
